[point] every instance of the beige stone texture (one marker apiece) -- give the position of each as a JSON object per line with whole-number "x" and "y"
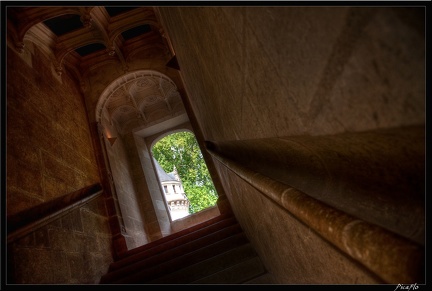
{"x": 311, "y": 121}
{"x": 304, "y": 95}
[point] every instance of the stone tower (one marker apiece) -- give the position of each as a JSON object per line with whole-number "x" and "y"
{"x": 175, "y": 197}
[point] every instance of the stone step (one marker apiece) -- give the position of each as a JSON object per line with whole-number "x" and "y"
{"x": 151, "y": 271}
{"x": 208, "y": 267}
{"x": 173, "y": 241}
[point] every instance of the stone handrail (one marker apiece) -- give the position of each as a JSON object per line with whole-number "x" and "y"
{"x": 28, "y": 220}
{"x": 393, "y": 258}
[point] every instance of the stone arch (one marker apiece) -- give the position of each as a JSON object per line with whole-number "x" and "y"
{"x": 123, "y": 80}
{"x": 169, "y": 132}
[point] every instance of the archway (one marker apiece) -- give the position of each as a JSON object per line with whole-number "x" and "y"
{"x": 132, "y": 113}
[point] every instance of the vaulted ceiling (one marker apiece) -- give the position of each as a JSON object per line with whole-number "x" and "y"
{"x": 82, "y": 36}
{"x": 82, "y": 39}
{"x": 141, "y": 99}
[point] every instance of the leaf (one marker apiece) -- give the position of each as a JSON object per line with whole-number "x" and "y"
{"x": 181, "y": 150}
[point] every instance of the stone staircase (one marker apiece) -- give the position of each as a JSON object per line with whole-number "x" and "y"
{"x": 213, "y": 252}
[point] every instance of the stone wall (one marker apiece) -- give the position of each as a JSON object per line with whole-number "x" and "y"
{"x": 48, "y": 139}
{"x": 309, "y": 78}
{"x": 155, "y": 203}
{"x": 75, "y": 249}
{"x": 125, "y": 192}
{"x": 259, "y": 72}
{"x": 302, "y": 254}
{"x": 50, "y": 154}
{"x": 320, "y": 83}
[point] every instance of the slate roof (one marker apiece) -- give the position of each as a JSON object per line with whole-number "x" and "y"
{"x": 163, "y": 176}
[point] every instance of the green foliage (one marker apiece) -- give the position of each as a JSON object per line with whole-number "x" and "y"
{"x": 181, "y": 150}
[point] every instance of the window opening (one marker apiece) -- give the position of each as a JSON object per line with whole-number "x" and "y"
{"x": 180, "y": 157}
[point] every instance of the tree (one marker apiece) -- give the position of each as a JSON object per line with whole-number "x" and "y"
{"x": 181, "y": 150}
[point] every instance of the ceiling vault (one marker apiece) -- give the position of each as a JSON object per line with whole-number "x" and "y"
{"x": 96, "y": 27}
{"x": 83, "y": 40}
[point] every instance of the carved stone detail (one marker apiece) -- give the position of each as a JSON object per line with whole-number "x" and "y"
{"x": 98, "y": 27}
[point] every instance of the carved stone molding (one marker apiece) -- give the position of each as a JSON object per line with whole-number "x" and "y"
{"x": 139, "y": 98}
{"x": 28, "y": 23}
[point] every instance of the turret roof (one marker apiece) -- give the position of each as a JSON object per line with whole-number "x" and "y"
{"x": 164, "y": 176}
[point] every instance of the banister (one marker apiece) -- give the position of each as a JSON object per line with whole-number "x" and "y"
{"x": 28, "y": 220}
{"x": 393, "y": 258}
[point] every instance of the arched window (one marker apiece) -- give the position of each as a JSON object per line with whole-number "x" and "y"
{"x": 179, "y": 154}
